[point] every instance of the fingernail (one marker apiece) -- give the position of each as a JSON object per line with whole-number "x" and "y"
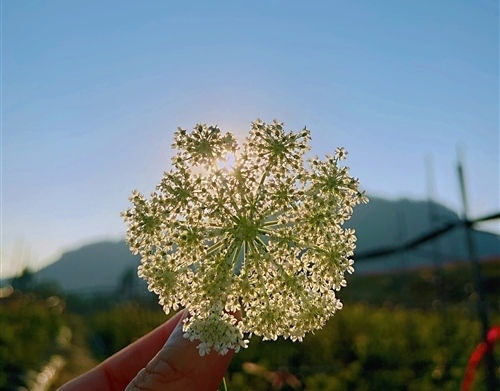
{"x": 177, "y": 335}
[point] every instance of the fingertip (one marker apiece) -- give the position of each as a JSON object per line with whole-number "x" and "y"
{"x": 179, "y": 363}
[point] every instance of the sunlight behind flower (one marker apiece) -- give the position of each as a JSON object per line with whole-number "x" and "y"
{"x": 259, "y": 234}
{"x": 228, "y": 163}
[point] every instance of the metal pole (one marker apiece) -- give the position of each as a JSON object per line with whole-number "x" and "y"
{"x": 482, "y": 308}
{"x": 401, "y": 237}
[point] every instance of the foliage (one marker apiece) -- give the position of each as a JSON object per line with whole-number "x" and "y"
{"x": 426, "y": 288}
{"x": 388, "y": 335}
{"x": 366, "y": 348}
{"x": 113, "y": 329}
{"x": 29, "y": 327}
{"x": 26, "y": 282}
{"x": 362, "y": 348}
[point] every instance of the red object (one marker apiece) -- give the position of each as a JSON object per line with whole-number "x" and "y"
{"x": 278, "y": 379}
{"x": 476, "y": 356}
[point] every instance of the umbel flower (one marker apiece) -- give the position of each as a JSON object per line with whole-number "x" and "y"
{"x": 256, "y": 248}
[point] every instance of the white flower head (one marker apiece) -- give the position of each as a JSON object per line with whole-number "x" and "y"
{"x": 258, "y": 248}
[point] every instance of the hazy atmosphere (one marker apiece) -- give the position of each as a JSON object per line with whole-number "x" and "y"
{"x": 93, "y": 91}
{"x": 350, "y": 240}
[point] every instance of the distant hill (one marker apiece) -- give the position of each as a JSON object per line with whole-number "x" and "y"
{"x": 382, "y": 223}
{"x": 97, "y": 266}
{"x": 101, "y": 266}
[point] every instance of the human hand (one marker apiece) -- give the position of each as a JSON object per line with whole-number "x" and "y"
{"x": 161, "y": 360}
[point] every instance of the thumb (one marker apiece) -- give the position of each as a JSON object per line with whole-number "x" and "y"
{"x": 179, "y": 366}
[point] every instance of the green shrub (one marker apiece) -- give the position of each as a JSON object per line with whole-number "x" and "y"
{"x": 29, "y": 327}
{"x": 114, "y": 329}
{"x": 368, "y": 348}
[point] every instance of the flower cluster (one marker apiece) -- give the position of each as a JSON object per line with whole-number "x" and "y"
{"x": 257, "y": 248}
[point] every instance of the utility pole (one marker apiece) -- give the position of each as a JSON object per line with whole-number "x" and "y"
{"x": 402, "y": 236}
{"x": 482, "y": 308}
{"x": 433, "y": 219}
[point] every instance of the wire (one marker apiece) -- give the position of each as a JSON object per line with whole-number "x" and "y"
{"x": 412, "y": 243}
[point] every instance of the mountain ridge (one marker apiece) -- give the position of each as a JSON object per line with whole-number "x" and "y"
{"x": 380, "y": 223}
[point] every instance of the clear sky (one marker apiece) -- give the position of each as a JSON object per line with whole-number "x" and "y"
{"x": 92, "y": 92}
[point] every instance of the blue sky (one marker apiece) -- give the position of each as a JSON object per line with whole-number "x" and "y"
{"x": 93, "y": 91}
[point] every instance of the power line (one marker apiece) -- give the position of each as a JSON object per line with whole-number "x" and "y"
{"x": 417, "y": 241}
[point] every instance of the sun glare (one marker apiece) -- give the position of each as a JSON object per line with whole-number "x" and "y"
{"x": 227, "y": 163}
